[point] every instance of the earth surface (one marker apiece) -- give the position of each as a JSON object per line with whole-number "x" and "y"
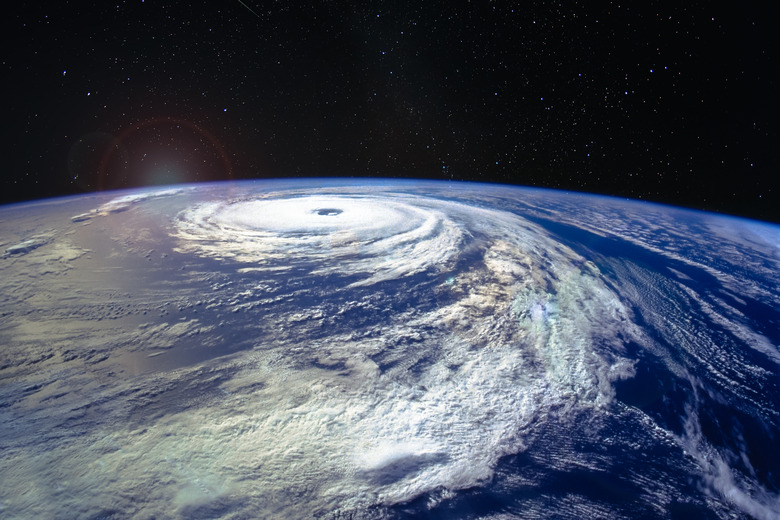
{"x": 379, "y": 349}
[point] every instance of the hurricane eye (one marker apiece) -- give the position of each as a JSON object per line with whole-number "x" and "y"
{"x": 327, "y": 212}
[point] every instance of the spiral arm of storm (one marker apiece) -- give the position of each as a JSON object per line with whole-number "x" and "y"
{"x": 436, "y": 394}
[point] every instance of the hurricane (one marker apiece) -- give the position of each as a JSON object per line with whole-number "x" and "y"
{"x": 437, "y": 393}
{"x": 355, "y": 235}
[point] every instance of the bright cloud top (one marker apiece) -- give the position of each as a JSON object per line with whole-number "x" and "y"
{"x": 377, "y": 238}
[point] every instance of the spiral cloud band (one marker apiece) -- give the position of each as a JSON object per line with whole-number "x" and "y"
{"x": 511, "y": 335}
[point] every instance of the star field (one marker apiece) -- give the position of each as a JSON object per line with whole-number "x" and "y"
{"x": 663, "y": 102}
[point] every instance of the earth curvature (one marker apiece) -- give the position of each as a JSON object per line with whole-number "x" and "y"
{"x": 386, "y": 349}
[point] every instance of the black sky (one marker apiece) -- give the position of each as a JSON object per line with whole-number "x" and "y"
{"x": 674, "y": 102}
